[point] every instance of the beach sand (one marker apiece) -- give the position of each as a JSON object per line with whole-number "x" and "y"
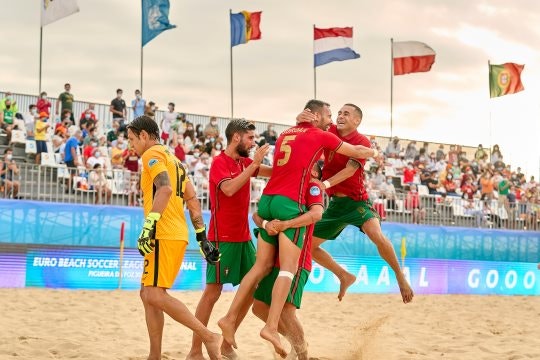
{"x": 77, "y": 324}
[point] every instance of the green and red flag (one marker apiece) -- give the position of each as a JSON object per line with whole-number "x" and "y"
{"x": 505, "y": 79}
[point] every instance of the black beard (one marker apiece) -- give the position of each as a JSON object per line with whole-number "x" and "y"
{"x": 242, "y": 151}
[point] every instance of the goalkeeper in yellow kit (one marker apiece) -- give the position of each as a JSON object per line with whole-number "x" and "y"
{"x": 164, "y": 237}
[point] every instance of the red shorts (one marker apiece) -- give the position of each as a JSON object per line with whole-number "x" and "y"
{"x": 165, "y": 136}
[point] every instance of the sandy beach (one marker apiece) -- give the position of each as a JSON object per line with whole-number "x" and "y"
{"x": 76, "y": 324}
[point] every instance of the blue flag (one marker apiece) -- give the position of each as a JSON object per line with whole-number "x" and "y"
{"x": 155, "y": 19}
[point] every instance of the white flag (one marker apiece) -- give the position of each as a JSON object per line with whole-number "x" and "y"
{"x": 52, "y": 10}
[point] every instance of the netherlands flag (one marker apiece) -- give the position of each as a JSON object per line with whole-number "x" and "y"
{"x": 333, "y": 44}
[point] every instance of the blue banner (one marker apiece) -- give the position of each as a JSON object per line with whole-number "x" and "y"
{"x": 155, "y": 19}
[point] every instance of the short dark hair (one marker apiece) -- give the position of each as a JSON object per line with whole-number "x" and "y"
{"x": 67, "y": 84}
{"x": 358, "y": 110}
{"x": 316, "y": 106}
{"x": 317, "y": 168}
{"x": 240, "y": 126}
{"x": 119, "y": 90}
{"x": 172, "y": 104}
{"x": 8, "y": 149}
{"x": 145, "y": 123}
{"x": 31, "y": 106}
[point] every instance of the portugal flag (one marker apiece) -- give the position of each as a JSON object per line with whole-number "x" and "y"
{"x": 505, "y": 79}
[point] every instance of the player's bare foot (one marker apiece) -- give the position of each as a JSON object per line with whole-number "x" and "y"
{"x": 273, "y": 337}
{"x": 227, "y": 331}
{"x": 345, "y": 280}
{"x": 195, "y": 356}
{"x": 407, "y": 293}
{"x": 227, "y": 352}
{"x": 213, "y": 347}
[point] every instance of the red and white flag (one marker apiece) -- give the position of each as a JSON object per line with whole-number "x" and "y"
{"x": 411, "y": 57}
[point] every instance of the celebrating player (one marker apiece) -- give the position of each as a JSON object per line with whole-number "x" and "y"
{"x": 164, "y": 237}
{"x": 297, "y": 148}
{"x": 289, "y": 324}
{"x": 230, "y": 190}
{"x": 349, "y": 203}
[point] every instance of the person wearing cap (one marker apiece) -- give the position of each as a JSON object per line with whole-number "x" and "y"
{"x": 40, "y": 135}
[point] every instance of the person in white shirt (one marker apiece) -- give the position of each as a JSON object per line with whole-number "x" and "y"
{"x": 168, "y": 119}
{"x": 388, "y": 192}
{"x": 29, "y": 120}
{"x": 98, "y": 182}
{"x": 95, "y": 159}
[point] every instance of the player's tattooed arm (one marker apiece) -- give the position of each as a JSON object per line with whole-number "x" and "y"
{"x": 343, "y": 174}
{"x": 163, "y": 192}
{"x": 354, "y": 164}
{"x": 162, "y": 179}
{"x": 194, "y": 206}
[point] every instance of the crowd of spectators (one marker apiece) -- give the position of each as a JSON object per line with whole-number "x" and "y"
{"x": 400, "y": 172}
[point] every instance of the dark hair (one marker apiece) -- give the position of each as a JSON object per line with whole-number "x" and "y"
{"x": 31, "y": 106}
{"x": 358, "y": 110}
{"x": 171, "y": 104}
{"x": 144, "y": 123}
{"x": 316, "y": 106}
{"x": 138, "y": 91}
{"x": 8, "y": 149}
{"x": 239, "y": 126}
{"x": 67, "y": 84}
{"x": 97, "y": 165}
{"x": 119, "y": 90}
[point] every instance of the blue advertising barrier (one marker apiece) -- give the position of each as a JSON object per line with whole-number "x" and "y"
{"x": 36, "y": 222}
{"x": 99, "y": 268}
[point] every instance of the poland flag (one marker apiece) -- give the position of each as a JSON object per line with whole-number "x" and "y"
{"x": 412, "y": 56}
{"x": 333, "y": 44}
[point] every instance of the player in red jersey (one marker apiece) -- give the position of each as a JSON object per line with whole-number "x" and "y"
{"x": 349, "y": 204}
{"x": 297, "y": 148}
{"x": 289, "y": 324}
{"x": 230, "y": 192}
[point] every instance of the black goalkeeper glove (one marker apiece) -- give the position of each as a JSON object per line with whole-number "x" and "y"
{"x": 148, "y": 233}
{"x": 207, "y": 249}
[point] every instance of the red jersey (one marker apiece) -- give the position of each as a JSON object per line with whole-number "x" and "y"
{"x": 229, "y": 214}
{"x": 314, "y": 196}
{"x": 408, "y": 175}
{"x": 297, "y": 148}
{"x": 353, "y": 187}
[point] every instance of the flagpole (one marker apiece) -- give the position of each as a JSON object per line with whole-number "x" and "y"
{"x": 489, "y": 106}
{"x": 141, "y": 83}
{"x": 391, "y": 87}
{"x": 314, "y": 67}
{"x": 40, "y": 55}
{"x": 231, "y": 64}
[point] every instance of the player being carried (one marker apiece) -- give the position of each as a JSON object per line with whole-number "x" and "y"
{"x": 289, "y": 324}
{"x": 297, "y": 148}
{"x": 349, "y": 203}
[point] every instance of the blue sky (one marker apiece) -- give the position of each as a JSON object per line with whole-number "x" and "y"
{"x": 98, "y": 50}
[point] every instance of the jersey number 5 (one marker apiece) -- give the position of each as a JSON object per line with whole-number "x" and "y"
{"x": 285, "y": 148}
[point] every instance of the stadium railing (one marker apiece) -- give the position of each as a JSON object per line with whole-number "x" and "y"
{"x": 56, "y": 183}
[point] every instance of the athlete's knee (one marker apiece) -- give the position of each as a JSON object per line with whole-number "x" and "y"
{"x": 212, "y": 292}
{"x": 154, "y": 296}
{"x": 262, "y": 268}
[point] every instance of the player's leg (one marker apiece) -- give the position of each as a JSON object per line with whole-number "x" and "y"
{"x": 329, "y": 227}
{"x": 244, "y": 295}
{"x": 154, "y": 324}
{"x": 372, "y": 229}
{"x": 289, "y": 253}
{"x": 160, "y": 275}
{"x": 204, "y": 309}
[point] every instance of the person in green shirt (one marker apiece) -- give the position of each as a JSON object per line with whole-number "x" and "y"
{"x": 66, "y": 100}
{"x": 9, "y": 98}
{"x": 503, "y": 189}
{"x": 7, "y": 118}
